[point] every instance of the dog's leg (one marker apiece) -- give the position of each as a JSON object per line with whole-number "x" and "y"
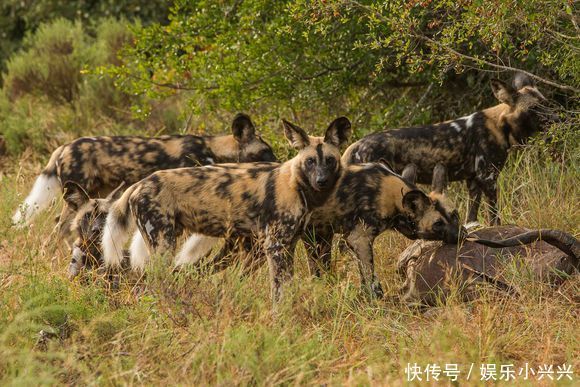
{"x": 166, "y": 243}
{"x": 474, "y": 200}
{"x": 318, "y": 243}
{"x": 139, "y": 254}
{"x": 490, "y": 192}
{"x": 360, "y": 240}
{"x": 279, "y": 252}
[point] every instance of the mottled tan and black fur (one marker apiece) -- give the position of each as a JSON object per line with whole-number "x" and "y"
{"x": 472, "y": 148}
{"x": 99, "y": 164}
{"x": 266, "y": 201}
{"x": 369, "y": 199}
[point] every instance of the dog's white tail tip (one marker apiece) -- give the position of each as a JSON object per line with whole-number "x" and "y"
{"x": 139, "y": 252}
{"x": 44, "y": 191}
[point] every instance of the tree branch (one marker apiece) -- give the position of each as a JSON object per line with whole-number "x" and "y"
{"x": 173, "y": 86}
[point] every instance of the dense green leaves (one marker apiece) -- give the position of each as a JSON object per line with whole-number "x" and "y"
{"x": 385, "y": 64}
{"x": 355, "y": 55}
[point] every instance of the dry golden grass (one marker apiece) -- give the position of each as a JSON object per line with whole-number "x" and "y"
{"x": 187, "y": 329}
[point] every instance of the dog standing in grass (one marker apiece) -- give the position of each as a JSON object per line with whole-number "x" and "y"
{"x": 266, "y": 201}
{"x": 472, "y": 148}
{"x": 100, "y": 164}
{"x": 368, "y": 200}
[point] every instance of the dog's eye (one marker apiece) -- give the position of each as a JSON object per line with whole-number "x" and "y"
{"x": 310, "y": 161}
{"x": 438, "y": 225}
{"x": 330, "y": 161}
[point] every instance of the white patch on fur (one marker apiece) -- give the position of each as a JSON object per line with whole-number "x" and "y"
{"x": 456, "y": 126}
{"x": 138, "y": 252}
{"x": 478, "y": 159}
{"x": 195, "y": 248}
{"x": 210, "y": 160}
{"x": 148, "y": 228}
{"x": 469, "y": 120}
{"x": 114, "y": 238}
{"x": 44, "y": 191}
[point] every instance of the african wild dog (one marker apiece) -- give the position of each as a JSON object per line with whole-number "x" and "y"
{"x": 369, "y": 199}
{"x": 472, "y": 148}
{"x": 87, "y": 226}
{"x": 266, "y": 201}
{"x": 99, "y": 164}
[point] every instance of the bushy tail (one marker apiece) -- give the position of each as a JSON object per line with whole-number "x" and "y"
{"x": 118, "y": 228}
{"x": 45, "y": 190}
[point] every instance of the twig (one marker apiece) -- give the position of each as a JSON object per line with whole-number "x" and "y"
{"x": 172, "y": 86}
{"x": 420, "y": 102}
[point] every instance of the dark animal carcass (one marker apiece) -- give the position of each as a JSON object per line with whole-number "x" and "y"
{"x": 433, "y": 269}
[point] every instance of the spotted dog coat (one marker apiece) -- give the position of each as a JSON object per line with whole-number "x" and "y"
{"x": 87, "y": 226}
{"x": 267, "y": 201}
{"x": 472, "y": 148}
{"x": 369, "y": 199}
{"x": 99, "y": 164}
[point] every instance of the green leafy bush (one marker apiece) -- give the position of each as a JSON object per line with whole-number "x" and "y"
{"x": 50, "y": 63}
{"x": 370, "y": 59}
{"x": 50, "y": 95}
{"x": 21, "y": 17}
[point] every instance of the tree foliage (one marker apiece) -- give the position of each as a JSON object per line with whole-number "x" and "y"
{"x": 21, "y": 17}
{"x": 363, "y": 56}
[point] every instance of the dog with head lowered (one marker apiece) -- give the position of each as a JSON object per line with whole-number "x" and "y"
{"x": 472, "y": 148}
{"x": 269, "y": 202}
{"x": 369, "y": 199}
{"x": 100, "y": 164}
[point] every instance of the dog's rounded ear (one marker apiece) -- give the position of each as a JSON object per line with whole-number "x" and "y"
{"x": 74, "y": 195}
{"x": 503, "y": 92}
{"x": 410, "y": 173}
{"x": 416, "y": 202}
{"x": 522, "y": 80}
{"x": 338, "y": 132}
{"x": 439, "y": 182}
{"x": 243, "y": 128}
{"x": 296, "y": 135}
{"x": 116, "y": 193}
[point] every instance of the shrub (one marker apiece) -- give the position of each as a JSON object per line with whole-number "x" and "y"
{"x": 51, "y": 93}
{"x": 97, "y": 93}
{"x": 50, "y": 64}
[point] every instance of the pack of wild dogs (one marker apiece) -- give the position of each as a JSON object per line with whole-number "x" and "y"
{"x": 177, "y": 196}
